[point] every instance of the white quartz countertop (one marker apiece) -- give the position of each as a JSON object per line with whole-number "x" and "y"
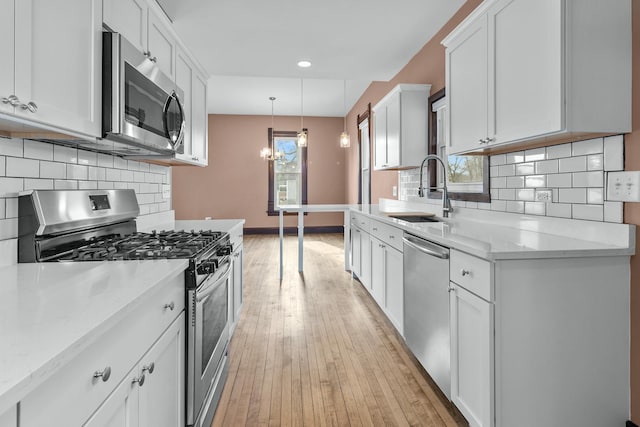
{"x": 516, "y": 237}
{"x": 49, "y": 312}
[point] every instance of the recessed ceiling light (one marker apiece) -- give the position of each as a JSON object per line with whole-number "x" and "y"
{"x": 304, "y": 64}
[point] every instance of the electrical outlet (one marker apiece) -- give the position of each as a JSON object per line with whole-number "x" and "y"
{"x": 394, "y": 190}
{"x": 623, "y": 186}
{"x": 544, "y": 195}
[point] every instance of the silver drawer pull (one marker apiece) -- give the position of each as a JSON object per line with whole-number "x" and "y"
{"x": 375, "y": 229}
{"x": 465, "y": 272}
{"x": 149, "y": 368}
{"x": 170, "y": 306}
{"x": 139, "y": 380}
{"x": 392, "y": 236}
{"x": 12, "y": 99}
{"x": 451, "y": 289}
{"x": 105, "y": 374}
{"x": 31, "y": 106}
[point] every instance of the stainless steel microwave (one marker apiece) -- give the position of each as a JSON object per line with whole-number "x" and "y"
{"x": 141, "y": 106}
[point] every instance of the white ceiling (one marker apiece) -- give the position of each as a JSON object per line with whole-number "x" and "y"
{"x": 251, "y": 47}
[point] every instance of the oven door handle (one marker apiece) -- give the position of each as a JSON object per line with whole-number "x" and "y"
{"x": 205, "y": 291}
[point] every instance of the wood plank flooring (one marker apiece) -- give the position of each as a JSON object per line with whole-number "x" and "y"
{"x": 315, "y": 350}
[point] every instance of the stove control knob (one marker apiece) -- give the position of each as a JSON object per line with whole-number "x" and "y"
{"x": 207, "y": 267}
{"x": 226, "y": 250}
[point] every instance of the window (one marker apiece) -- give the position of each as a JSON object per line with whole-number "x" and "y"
{"x": 467, "y": 176}
{"x": 288, "y": 173}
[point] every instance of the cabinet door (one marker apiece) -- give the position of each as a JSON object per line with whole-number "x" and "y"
{"x": 377, "y": 271}
{"x": 162, "y": 394}
{"x": 525, "y": 47}
{"x": 393, "y": 131}
{"x": 472, "y": 365}
{"x": 58, "y": 63}
{"x": 236, "y": 288}
{"x": 200, "y": 120}
{"x": 161, "y": 45}
{"x": 394, "y": 288}
{"x": 380, "y": 138}
{"x": 120, "y": 408}
{"x": 129, "y": 18}
{"x": 7, "y": 70}
{"x": 9, "y": 418}
{"x": 467, "y": 85}
{"x": 365, "y": 260}
{"x": 356, "y": 251}
{"x": 184, "y": 78}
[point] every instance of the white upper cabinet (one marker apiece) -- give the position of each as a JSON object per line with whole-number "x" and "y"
{"x": 143, "y": 27}
{"x": 400, "y": 127}
{"x": 200, "y": 120}
{"x": 51, "y": 72}
{"x": 525, "y": 71}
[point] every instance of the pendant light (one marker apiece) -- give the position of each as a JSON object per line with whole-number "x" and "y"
{"x": 345, "y": 139}
{"x": 267, "y": 152}
{"x": 302, "y": 135}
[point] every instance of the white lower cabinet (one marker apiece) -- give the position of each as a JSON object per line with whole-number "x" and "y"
{"x": 356, "y": 251}
{"x": 472, "y": 356}
{"x": 377, "y": 271}
{"x": 9, "y": 418}
{"x": 96, "y": 388}
{"x": 394, "y": 287}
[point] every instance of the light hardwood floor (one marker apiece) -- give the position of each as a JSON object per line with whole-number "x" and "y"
{"x": 316, "y": 350}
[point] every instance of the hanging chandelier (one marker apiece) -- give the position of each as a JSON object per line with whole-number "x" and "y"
{"x": 267, "y": 152}
{"x": 302, "y": 135}
{"x": 345, "y": 139}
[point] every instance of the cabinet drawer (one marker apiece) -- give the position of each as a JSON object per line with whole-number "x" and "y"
{"x": 72, "y": 394}
{"x": 473, "y": 274}
{"x": 362, "y": 221}
{"x": 390, "y": 235}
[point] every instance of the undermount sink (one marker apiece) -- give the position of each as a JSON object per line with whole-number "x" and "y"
{"x": 416, "y": 218}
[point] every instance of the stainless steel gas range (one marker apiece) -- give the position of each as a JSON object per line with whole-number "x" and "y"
{"x": 99, "y": 225}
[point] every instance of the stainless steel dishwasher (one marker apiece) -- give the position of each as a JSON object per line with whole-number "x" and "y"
{"x": 426, "y": 309}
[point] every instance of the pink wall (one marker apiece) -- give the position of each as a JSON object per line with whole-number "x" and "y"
{"x": 235, "y": 184}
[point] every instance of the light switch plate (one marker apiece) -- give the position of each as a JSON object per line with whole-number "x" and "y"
{"x": 623, "y": 186}
{"x": 394, "y": 190}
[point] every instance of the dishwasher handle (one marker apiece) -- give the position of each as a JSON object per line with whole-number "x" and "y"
{"x": 426, "y": 247}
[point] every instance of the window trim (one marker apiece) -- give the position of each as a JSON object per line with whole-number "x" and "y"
{"x": 485, "y": 195}
{"x": 271, "y": 135}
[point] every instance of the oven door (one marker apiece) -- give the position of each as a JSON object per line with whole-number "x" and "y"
{"x": 209, "y": 336}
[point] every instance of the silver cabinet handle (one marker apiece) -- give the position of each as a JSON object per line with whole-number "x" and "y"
{"x": 105, "y": 374}
{"x": 31, "y": 106}
{"x": 149, "y": 368}
{"x": 490, "y": 139}
{"x": 392, "y": 236}
{"x": 481, "y": 141}
{"x": 148, "y": 55}
{"x": 465, "y": 272}
{"x": 11, "y": 99}
{"x": 451, "y": 289}
{"x": 170, "y": 306}
{"x": 139, "y": 380}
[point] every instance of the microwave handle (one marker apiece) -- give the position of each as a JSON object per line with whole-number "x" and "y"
{"x": 165, "y": 112}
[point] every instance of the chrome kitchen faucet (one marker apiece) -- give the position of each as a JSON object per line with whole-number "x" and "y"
{"x": 446, "y": 202}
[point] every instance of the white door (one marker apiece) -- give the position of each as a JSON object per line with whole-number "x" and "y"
{"x": 526, "y": 89}
{"x": 394, "y": 288}
{"x": 161, "y": 46}
{"x": 162, "y": 394}
{"x": 394, "y": 130}
{"x": 380, "y": 138}
{"x": 120, "y": 408}
{"x": 199, "y": 120}
{"x": 58, "y": 62}
{"x": 472, "y": 365}
{"x": 467, "y": 85}
{"x": 7, "y": 70}
{"x": 129, "y": 18}
{"x": 184, "y": 78}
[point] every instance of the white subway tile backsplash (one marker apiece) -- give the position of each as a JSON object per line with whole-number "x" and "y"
{"x": 119, "y": 185}
{"x": 546, "y": 167}
{"x": 614, "y": 153}
{"x": 613, "y": 211}
{"x": 506, "y": 194}
{"x": 573, "y": 164}
{"x": 2, "y": 166}
{"x": 515, "y": 182}
{"x": 559, "y": 151}
{"x": 138, "y": 176}
{"x": 120, "y": 163}
{"x": 535, "y": 154}
{"x": 515, "y": 207}
{"x": 77, "y": 172}
{"x": 17, "y": 166}
{"x": 559, "y": 180}
{"x": 535, "y": 181}
{"x": 12, "y": 208}
{"x": 87, "y": 185}
{"x": 498, "y": 205}
{"x": 527, "y": 194}
{"x": 97, "y": 173}
{"x": 595, "y": 162}
{"x": 2, "y": 208}
{"x": 594, "y": 196}
{"x": 572, "y": 195}
{"x": 65, "y": 154}
{"x": 8, "y": 228}
{"x": 105, "y": 185}
{"x": 534, "y": 208}
{"x": 53, "y": 170}
{"x": 144, "y": 167}
{"x": 11, "y": 147}
{"x": 38, "y": 150}
{"x": 113, "y": 175}
{"x": 525, "y": 169}
{"x": 38, "y": 184}
{"x": 562, "y": 210}
{"x": 516, "y": 157}
{"x": 126, "y": 175}
{"x": 588, "y": 179}
{"x": 63, "y": 184}
{"x": 590, "y": 146}
{"x": 105, "y": 160}
{"x": 588, "y": 212}
{"x": 10, "y": 187}
{"x": 132, "y": 165}
{"x": 497, "y": 160}
{"x": 87, "y": 158}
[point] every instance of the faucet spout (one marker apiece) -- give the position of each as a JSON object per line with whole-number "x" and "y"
{"x": 446, "y": 202}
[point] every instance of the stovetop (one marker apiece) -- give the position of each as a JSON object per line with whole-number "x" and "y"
{"x": 155, "y": 245}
